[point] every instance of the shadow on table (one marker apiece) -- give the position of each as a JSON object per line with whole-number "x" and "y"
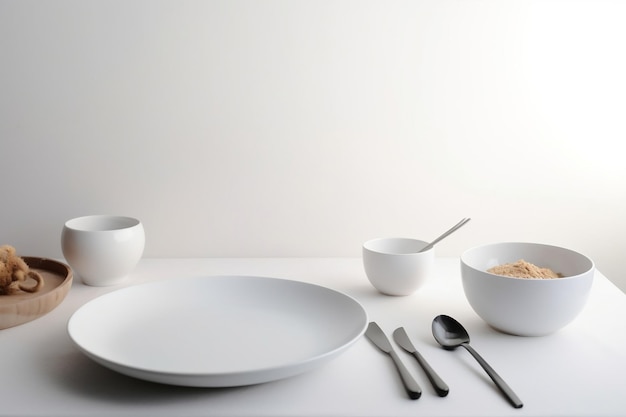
{"x": 75, "y": 372}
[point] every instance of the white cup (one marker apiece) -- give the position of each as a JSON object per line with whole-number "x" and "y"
{"x": 394, "y": 266}
{"x": 103, "y": 249}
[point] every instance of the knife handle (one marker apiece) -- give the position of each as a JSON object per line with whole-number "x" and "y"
{"x": 411, "y": 386}
{"x": 440, "y": 386}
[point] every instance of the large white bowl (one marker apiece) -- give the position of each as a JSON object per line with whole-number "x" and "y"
{"x": 522, "y": 306}
{"x": 103, "y": 249}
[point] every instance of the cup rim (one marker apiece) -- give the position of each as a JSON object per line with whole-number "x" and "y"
{"x": 367, "y": 245}
{"x": 101, "y": 223}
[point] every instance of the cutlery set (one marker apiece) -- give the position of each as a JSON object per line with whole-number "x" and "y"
{"x": 378, "y": 337}
{"x": 449, "y": 334}
{"x": 402, "y": 339}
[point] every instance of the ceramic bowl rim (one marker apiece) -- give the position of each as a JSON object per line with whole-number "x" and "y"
{"x": 77, "y": 224}
{"x": 587, "y": 259}
{"x": 367, "y": 246}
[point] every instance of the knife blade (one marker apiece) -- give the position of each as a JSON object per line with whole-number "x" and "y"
{"x": 402, "y": 339}
{"x": 378, "y": 337}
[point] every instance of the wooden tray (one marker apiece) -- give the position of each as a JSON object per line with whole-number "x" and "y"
{"x": 23, "y": 307}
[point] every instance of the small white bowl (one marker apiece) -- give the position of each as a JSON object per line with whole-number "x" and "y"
{"x": 522, "y": 306}
{"x": 394, "y": 266}
{"x": 103, "y": 249}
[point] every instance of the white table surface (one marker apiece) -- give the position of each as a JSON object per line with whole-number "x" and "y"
{"x": 578, "y": 371}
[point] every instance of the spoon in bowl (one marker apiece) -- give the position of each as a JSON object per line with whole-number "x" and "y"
{"x": 445, "y": 234}
{"x": 450, "y": 334}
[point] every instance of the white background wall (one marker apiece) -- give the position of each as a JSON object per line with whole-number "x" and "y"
{"x": 302, "y": 128}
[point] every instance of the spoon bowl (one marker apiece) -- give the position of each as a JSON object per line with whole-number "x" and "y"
{"x": 451, "y": 334}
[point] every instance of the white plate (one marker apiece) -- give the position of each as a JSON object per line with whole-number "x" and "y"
{"x": 217, "y": 331}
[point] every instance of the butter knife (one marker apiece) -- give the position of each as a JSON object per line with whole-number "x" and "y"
{"x": 401, "y": 338}
{"x": 377, "y": 336}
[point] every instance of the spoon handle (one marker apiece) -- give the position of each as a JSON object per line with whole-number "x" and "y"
{"x": 506, "y": 390}
{"x": 446, "y": 234}
{"x": 411, "y": 386}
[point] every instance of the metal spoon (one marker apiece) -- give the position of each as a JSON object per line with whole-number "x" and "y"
{"x": 445, "y": 234}
{"x": 450, "y": 334}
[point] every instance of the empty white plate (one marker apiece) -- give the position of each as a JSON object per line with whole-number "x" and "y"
{"x": 217, "y": 331}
